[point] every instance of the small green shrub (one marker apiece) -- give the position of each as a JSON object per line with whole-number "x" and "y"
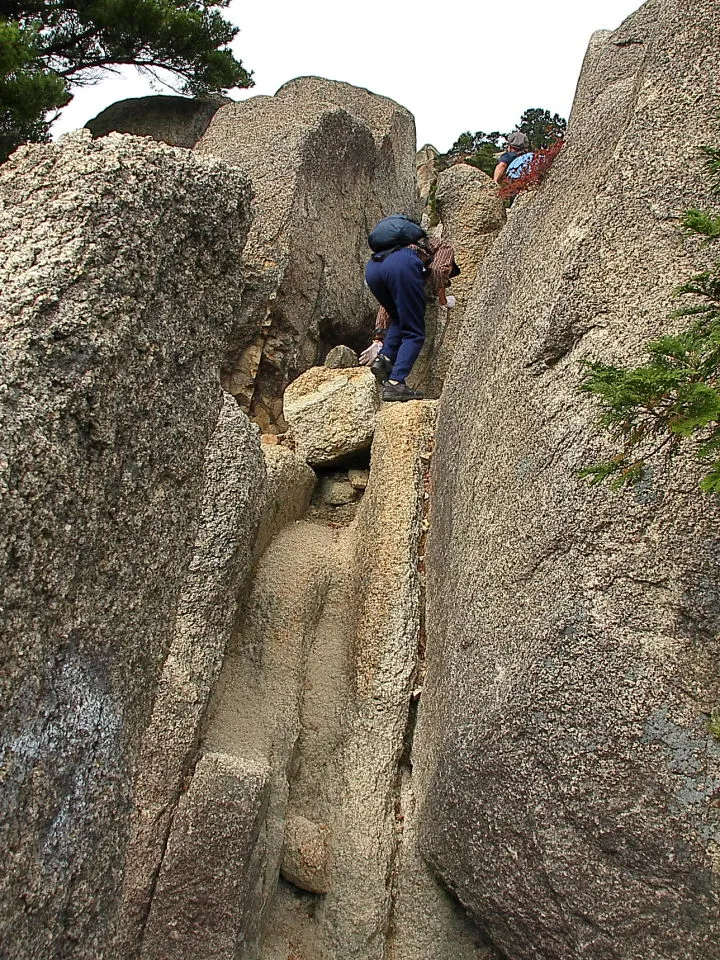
{"x": 674, "y": 398}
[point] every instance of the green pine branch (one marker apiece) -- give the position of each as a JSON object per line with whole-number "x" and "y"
{"x": 673, "y": 399}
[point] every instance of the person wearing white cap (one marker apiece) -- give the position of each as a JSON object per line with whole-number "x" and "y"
{"x": 517, "y": 145}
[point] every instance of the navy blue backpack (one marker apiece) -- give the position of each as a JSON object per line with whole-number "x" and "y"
{"x": 394, "y": 232}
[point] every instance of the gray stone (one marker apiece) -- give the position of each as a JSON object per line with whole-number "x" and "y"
{"x": 331, "y": 413}
{"x": 178, "y": 121}
{"x": 293, "y": 616}
{"x": 119, "y": 279}
{"x": 359, "y": 478}
{"x": 306, "y": 855}
{"x": 235, "y": 495}
{"x": 208, "y": 888}
{"x": 336, "y": 490}
{"x": 326, "y": 160}
{"x": 572, "y": 630}
{"x": 341, "y": 357}
{"x": 472, "y": 214}
{"x": 426, "y": 169}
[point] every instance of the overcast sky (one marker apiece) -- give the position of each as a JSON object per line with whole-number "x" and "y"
{"x": 456, "y": 65}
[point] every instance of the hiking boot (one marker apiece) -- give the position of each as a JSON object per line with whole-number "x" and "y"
{"x": 381, "y": 368}
{"x": 399, "y": 391}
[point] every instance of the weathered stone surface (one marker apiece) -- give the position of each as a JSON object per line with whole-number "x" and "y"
{"x": 290, "y": 483}
{"x": 295, "y": 615}
{"x": 472, "y": 214}
{"x": 208, "y": 889}
{"x": 572, "y": 630}
{"x": 341, "y": 357}
{"x": 361, "y": 660}
{"x": 336, "y": 490}
{"x": 326, "y": 161}
{"x": 306, "y": 855}
{"x": 119, "y": 279}
{"x": 426, "y": 169}
{"x": 235, "y": 495}
{"x": 331, "y": 413}
{"x": 359, "y": 478}
{"x": 179, "y": 121}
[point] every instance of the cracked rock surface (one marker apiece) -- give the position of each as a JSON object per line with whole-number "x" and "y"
{"x": 572, "y": 630}
{"x": 119, "y": 279}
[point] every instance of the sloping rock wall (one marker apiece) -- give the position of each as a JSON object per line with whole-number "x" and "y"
{"x": 573, "y": 630}
{"x": 326, "y": 160}
{"x": 120, "y": 278}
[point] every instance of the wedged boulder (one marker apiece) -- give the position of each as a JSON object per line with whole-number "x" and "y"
{"x": 472, "y": 214}
{"x": 341, "y": 356}
{"x": 290, "y": 484}
{"x": 326, "y": 161}
{"x": 208, "y": 890}
{"x": 178, "y": 121}
{"x": 306, "y": 855}
{"x": 426, "y": 171}
{"x": 572, "y": 630}
{"x": 331, "y": 413}
{"x": 116, "y": 257}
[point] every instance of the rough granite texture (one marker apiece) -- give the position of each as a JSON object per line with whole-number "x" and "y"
{"x": 178, "y": 121}
{"x": 341, "y": 356}
{"x": 317, "y": 686}
{"x": 290, "y": 484}
{"x": 306, "y": 855}
{"x": 472, "y": 214}
{"x": 331, "y": 413}
{"x": 572, "y": 631}
{"x": 326, "y": 161}
{"x": 426, "y": 171}
{"x": 119, "y": 282}
{"x": 234, "y": 499}
{"x": 204, "y": 900}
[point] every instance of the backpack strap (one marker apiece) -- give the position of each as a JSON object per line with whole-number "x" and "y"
{"x": 379, "y": 257}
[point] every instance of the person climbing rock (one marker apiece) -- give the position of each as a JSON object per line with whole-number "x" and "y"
{"x": 398, "y": 278}
{"x": 517, "y": 145}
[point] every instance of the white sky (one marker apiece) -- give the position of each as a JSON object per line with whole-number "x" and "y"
{"x": 456, "y": 66}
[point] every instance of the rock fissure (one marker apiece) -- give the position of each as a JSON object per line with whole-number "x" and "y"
{"x": 366, "y": 686}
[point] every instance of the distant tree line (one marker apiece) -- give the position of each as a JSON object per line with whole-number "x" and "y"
{"x": 480, "y": 149}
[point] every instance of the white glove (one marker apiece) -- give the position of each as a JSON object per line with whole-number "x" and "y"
{"x": 451, "y": 301}
{"x": 369, "y": 355}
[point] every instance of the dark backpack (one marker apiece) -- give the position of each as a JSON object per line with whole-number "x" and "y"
{"x": 394, "y": 232}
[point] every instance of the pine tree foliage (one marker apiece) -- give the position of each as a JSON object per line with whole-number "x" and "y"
{"x": 47, "y": 46}
{"x": 674, "y": 399}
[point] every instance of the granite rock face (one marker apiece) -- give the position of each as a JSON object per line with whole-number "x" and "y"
{"x": 572, "y": 631}
{"x": 120, "y": 278}
{"x": 178, "y": 121}
{"x": 235, "y": 497}
{"x": 331, "y": 413}
{"x": 326, "y": 161}
{"x": 206, "y": 896}
{"x": 472, "y": 214}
